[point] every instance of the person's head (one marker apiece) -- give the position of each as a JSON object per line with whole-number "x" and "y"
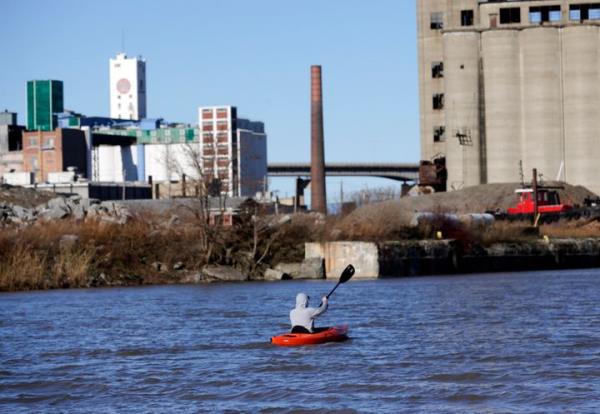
{"x": 302, "y": 300}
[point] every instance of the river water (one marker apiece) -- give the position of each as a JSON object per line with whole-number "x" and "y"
{"x": 518, "y": 342}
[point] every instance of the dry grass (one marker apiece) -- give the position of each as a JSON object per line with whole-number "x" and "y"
{"x": 506, "y": 231}
{"x": 32, "y": 257}
{"x": 71, "y": 268}
{"x": 22, "y": 269}
{"x": 143, "y": 251}
{"x": 576, "y": 230}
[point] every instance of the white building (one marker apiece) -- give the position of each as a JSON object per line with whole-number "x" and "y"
{"x": 234, "y": 150}
{"x": 224, "y": 150}
{"x": 127, "y": 87}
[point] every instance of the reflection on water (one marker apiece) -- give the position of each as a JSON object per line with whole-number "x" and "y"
{"x": 527, "y": 342}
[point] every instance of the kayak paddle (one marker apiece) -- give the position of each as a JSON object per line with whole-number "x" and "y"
{"x": 346, "y": 276}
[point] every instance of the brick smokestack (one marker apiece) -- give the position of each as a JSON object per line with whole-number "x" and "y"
{"x": 317, "y": 150}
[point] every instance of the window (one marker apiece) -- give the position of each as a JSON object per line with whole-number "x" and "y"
{"x": 439, "y": 134}
{"x": 437, "y": 21}
{"x": 544, "y": 14}
{"x": 32, "y": 142}
{"x": 466, "y": 18}
{"x": 580, "y": 12}
{"x": 438, "y": 101}
{"x": 437, "y": 70}
{"x": 554, "y": 14}
{"x": 49, "y": 142}
{"x": 510, "y": 15}
{"x": 34, "y": 163}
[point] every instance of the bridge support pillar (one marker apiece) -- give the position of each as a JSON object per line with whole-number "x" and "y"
{"x": 301, "y": 184}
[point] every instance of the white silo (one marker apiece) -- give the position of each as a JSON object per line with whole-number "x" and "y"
{"x": 461, "y": 76}
{"x": 502, "y": 86}
{"x": 581, "y": 57}
{"x": 541, "y": 89}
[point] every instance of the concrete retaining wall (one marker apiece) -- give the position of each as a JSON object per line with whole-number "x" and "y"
{"x": 430, "y": 257}
{"x": 337, "y": 255}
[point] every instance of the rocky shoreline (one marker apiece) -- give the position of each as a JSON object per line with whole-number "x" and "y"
{"x": 58, "y": 208}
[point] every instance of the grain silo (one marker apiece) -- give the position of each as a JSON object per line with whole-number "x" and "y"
{"x": 534, "y": 101}
{"x": 543, "y": 134}
{"x": 581, "y": 58}
{"x": 501, "y": 66}
{"x": 461, "y": 71}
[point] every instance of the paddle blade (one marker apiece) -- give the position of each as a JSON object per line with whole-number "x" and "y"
{"x": 347, "y": 274}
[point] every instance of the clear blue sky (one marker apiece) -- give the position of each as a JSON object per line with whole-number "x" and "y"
{"x": 255, "y": 55}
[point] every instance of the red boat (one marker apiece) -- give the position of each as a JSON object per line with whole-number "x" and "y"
{"x": 321, "y": 336}
{"x": 548, "y": 201}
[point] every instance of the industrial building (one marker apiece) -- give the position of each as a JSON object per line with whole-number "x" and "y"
{"x": 508, "y": 86}
{"x": 137, "y": 153}
{"x": 227, "y": 153}
{"x": 11, "y": 143}
{"x": 44, "y": 100}
{"x": 46, "y": 152}
{"x": 234, "y": 151}
{"x": 127, "y": 87}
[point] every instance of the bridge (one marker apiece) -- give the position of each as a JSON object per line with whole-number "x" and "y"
{"x": 394, "y": 171}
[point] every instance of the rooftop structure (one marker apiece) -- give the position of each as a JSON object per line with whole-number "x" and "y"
{"x": 127, "y": 87}
{"x": 44, "y": 100}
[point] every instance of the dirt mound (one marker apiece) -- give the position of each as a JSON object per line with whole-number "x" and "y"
{"x": 477, "y": 199}
{"x": 24, "y": 197}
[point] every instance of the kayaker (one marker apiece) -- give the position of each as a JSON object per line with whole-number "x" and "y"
{"x": 303, "y": 317}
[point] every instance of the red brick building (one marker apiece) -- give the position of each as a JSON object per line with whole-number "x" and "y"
{"x": 54, "y": 151}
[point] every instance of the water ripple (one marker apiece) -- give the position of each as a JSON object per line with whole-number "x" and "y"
{"x": 522, "y": 343}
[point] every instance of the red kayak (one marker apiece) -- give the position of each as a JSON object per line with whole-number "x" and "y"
{"x": 333, "y": 334}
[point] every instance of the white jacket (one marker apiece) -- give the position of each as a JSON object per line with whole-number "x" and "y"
{"x": 304, "y": 316}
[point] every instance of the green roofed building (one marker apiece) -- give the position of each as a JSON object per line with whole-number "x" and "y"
{"x": 44, "y": 100}
{"x": 182, "y": 135}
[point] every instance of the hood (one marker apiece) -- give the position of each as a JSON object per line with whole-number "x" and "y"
{"x": 301, "y": 300}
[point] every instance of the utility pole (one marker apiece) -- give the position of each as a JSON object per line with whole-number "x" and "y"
{"x": 534, "y": 185}
{"x": 341, "y": 197}
{"x": 124, "y": 182}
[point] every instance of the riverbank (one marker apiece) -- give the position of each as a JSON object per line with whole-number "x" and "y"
{"x": 179, "y": 248}
{"x": 73, "y": 242}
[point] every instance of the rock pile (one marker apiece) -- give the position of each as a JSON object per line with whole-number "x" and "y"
{"x": 74, "y": 207}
